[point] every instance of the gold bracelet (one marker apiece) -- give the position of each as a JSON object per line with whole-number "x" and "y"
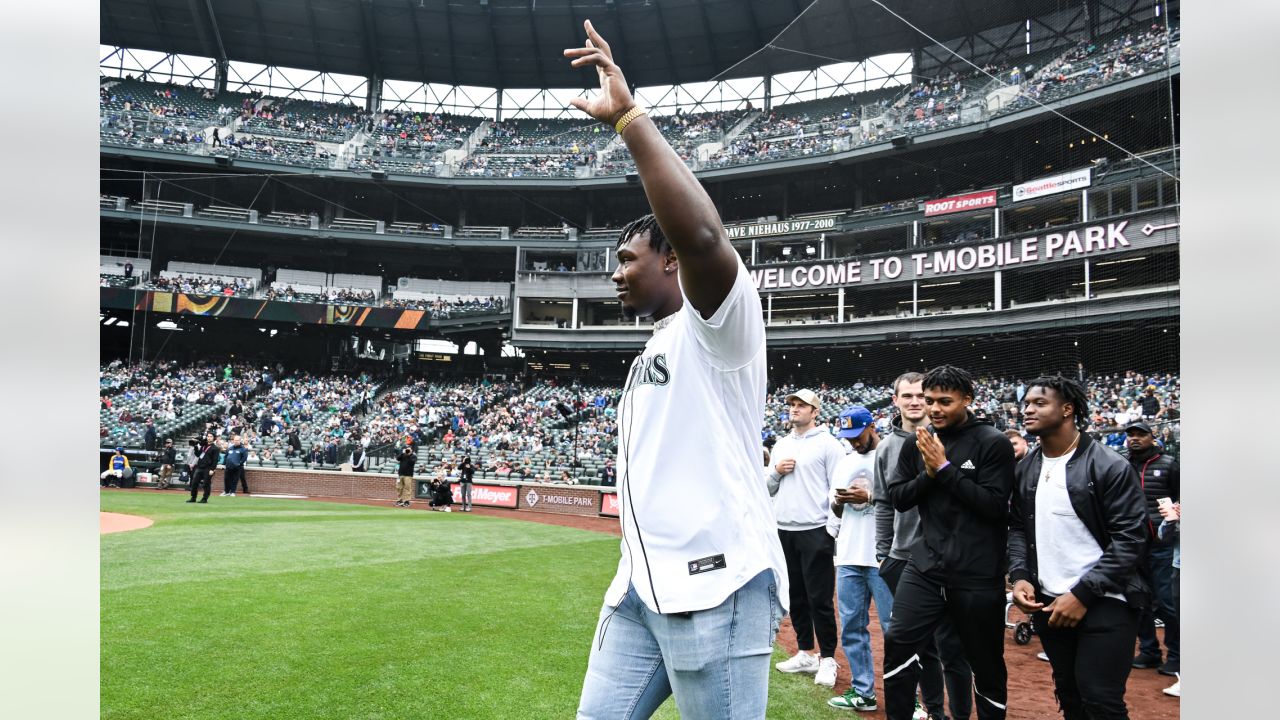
{"x": 626, "y": 119}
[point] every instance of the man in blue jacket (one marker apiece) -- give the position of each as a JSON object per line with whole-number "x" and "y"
{"x": 234, "y": 464}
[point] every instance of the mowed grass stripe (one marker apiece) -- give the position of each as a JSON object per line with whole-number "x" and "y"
{"x": 454, "y": 616}
{"x": 246, "y": 539}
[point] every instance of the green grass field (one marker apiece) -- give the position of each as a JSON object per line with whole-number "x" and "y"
{"x": 259, "y": 608}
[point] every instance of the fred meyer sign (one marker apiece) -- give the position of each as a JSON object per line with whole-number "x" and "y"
{"x": 960, "y": 203}
{"x": 942, "y": 261}
{"x": 785, "y": 227}
{"x": 1052, "y": 185}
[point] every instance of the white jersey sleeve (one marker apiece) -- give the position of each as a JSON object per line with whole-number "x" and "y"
{"x": 735, "y": 332}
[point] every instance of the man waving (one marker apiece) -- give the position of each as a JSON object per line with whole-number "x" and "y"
{"x": 700, "y": 589}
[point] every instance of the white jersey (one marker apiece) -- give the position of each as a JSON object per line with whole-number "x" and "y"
{"x": 856, "y": 538}
{"x": 697, "y": 523}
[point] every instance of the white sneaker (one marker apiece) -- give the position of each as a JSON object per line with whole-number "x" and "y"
{"x": 448, "y": 509}
{"x": 800, "y": 662}
{"x": 919, "y": 713}
{"x": 222, "y": 494}
{"x": 826, "y": 672}
{"x": 231, "y": 494}
{"x": 1175, "y": 689}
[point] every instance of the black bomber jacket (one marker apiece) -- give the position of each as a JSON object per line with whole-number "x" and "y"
{"x": 1108, "y": 499}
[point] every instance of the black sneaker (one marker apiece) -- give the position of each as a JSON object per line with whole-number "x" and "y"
{"x": 1170, "y": 668}
{"x": 202, "y": 500}
{"x": 1147, "y": 662}
{"x": 192, "y": 500}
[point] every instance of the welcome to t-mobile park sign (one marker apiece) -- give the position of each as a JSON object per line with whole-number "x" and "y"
{"x": 1076, "y": 243}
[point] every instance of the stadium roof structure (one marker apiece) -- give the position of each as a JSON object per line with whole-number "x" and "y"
{"x": 517, "y": 43}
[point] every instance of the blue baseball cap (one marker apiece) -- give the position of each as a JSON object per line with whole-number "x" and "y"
{"x": 853, "y": 421}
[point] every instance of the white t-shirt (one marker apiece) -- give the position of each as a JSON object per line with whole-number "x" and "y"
{"x": 696, "y": 519}
{"x": 856, "y": 537}
{"x": 1065, "y": 549}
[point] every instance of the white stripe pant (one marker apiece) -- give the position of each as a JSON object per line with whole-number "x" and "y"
{"x": 978, "y": 618}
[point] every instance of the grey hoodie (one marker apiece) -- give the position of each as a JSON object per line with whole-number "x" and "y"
{"x": 895, "y": 531}
{"x": 802, "y": 498}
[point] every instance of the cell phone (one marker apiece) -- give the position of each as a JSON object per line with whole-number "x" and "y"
{"x": 1164, "y": 502}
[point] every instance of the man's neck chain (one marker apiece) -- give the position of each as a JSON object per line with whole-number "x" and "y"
{"x": 658, "y": 325}
{"x": 1051, "y": 463}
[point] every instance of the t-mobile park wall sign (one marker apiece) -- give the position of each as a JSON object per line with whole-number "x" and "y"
{"x": 1074, "y": 243}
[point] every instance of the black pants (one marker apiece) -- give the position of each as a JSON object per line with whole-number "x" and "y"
{"x": 943, "y": 663}
{"x": 233, "y": 476}
{"x": 1091, "y": 661}
{"x": 811, "y": 572}
{"x": 202, "y": 475}
{"x": 978, "y": 618}
{"x": 1160, "y": 567}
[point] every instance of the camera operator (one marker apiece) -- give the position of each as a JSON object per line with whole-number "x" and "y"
{"x": 206, "y": 462}
{"x": 404, "y": 481}
{"x": 441, "y": 492}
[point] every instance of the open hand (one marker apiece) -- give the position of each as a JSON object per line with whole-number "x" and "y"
{"x": 614, "y": 99}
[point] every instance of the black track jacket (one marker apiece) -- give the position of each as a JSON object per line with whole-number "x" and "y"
{"x": 964, "y": 510}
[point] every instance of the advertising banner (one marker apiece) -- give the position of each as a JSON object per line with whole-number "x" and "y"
{"x": 960, "y": 203}
{"x": 1052, "y": 185}
{"x": 609, "y": 504}
{"x": 560, "y": 499}
{"x": 488, "y": 495}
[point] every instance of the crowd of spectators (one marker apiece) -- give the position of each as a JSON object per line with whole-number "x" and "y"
{"x": 410, "y": 143}
{"x": 442, "y": 308}
{"x": 1087, "y": 66}
{"x": 330, "y": 122}
{"x": 169, "y": 394}
{"x": 397, "y": 133}
{"x": 321, "y": 419}
{"x": 515, "y": 166}
{"x": 201, "y": 285}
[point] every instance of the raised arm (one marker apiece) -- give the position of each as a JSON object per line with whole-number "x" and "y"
{"x": 708, "y": 265}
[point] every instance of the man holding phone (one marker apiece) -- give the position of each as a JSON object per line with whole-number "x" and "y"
{"x": 857, "y": 573}
{"x": 1159, "y": 477}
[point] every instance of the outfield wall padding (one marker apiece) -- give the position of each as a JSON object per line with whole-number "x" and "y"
{"x": 589, "y": 500}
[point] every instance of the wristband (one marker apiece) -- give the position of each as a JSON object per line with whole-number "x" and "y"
{"x": 627, "y": 117}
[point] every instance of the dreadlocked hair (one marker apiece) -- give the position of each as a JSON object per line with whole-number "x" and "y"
{"x": 948, "y": 377}
{"x": 1071, "y": 392}
{"x": 657, "y": 241}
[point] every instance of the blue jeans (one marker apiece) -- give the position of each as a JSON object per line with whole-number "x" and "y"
{"x": 715, "y": 661}
{"x": 856, "y": 585}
